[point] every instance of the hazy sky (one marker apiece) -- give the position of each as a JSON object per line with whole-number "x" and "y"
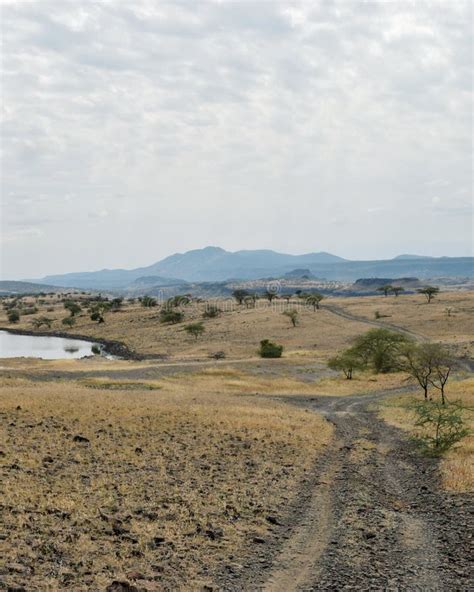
{"x": 133, "y": 129}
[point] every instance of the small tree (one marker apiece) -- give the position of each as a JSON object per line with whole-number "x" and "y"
{"x": 443, "y": 426}
{"x": 346, "y": 362}
{"x": 397, "y": 290}
{"x": 98, "y": 310}
{"x": 239, "y": 295}
{"x": 170, "y": 316}
{"x": 148, "y": 302}
{"x": 195, "y": 329}
{"x": 386, "y": 289}
{"x": 269, "y": 295}
{"x": 314, "y": 300}
{"x": 443, "y": 364}
{"x": 211, "y": 312}
{"x": 429, "y": 291}
{"x": 73, "y": 307}
{"x": 292, "y": 315}
{"x": 380, "y": 348}
{"x": 40, "y": 321}
{"x": 250, "y": 300}
{"x": 269, "y": 349}
{"x": 116, "y": 303}
{"x": 13, "y": 315}
{"x": 69, "y": 321}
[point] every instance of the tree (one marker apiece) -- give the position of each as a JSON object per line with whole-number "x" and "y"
{"x": 13, "y": 315}
{"x": 116, "y": 303}
{"x": 69, "y": 321}
{"x": 40, "y": 321}
{"x": 386, "y": 289}
{"x": 443, "y": 425}
{"x": 73, "y": 307}
{"x": 170, "y": 316}
{"x": 269, "y": 295}
{"x": 314, "y": 300}
{"x": 178, "y": 300}
{"x": 211, "y": 312}
{"x": 98, "y": 310}
{"x": 292, "y": 315}
{"x": 347, "y": 362}
{"x": 418, "y": 361}
{"x": 429, "y": 291}
{"x": 443, "y": 364}
{"x": 269, "y": 349}
{"x": 397, "y": 290}
{"x": 195, "y": 329}
{"x": 239, "y": 295}
{"x": 250, "y": 300}
{"x": 380, "y": 348}
{"x": 287, "y": 297}
{"x": 148, "y": 302}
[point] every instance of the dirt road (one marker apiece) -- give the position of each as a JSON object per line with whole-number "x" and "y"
{"x": 372, "y": 516}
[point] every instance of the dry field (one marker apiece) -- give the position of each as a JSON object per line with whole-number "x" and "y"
{"x": 448, "y": 318}
{"x": 169, "y": 487}
{"x": 165, "y": 472}
{"x": 238, "y": 330}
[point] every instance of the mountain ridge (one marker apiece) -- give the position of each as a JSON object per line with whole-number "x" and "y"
{"x": 216, "y": 264}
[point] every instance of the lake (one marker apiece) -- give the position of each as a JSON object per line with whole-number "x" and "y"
{"x": 46, "y": 347}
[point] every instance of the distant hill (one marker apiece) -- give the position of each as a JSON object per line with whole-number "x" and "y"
{"x": 13, "y": 287}
{"x": 213, "y": 264}
{"x": 408, "y": 257}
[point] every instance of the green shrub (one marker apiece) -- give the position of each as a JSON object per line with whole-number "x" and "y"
{"x": 170, "y": 316}
{"x": 442, "y": 426}
{"x": 13, "y": 316}
{"x": 69, "y": 321}
{"x": 269, "y": 349}
{"x": 195, "y": 329}
{"x": 211, "y": 312}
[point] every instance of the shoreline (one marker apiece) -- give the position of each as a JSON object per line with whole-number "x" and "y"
{"x": 112, "y": 347}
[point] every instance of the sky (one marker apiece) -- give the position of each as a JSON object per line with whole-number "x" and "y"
{"x": 135, "y": 129}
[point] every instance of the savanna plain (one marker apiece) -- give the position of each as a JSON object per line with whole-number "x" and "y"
{"x": 196, "y": 464}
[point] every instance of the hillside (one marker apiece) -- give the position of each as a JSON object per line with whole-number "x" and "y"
{"x": 13, "y": 287}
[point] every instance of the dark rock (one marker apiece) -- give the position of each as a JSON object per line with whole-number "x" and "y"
{"x": 272, "y": 519}
{"x": 121, "y": 586}
{"x": 79, "y": 438}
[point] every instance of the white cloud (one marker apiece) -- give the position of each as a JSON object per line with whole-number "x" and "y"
{"x": 227, "y": 121}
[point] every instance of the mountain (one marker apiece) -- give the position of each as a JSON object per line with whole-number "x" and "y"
{"x": 408, "y": 257}
{"x": 213, "y": 264}
{"x": 13, "y": 287}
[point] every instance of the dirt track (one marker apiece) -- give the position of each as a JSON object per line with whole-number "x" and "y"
{"x": 374, "y": 517}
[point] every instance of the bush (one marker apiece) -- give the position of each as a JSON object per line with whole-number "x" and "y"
{"x": 195, "y": 329}
{"x": 211, "y": 312}
{"x": 72, "y": 307}
{"x": 69, "y": 321}
{"x": 96, "y": 349}
{"x": 40, "y": 321}
{"x": 148, "y": 302}
{"x": 442, "y": 426}
{"x": 170, "y": 316}
{"x": 380, "y": 348}
{"x": 269, "y": 349}
{"x": 29, "y": 310}
{"x": 13, "y": 316}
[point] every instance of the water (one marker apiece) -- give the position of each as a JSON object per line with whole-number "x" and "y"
{"x": 38, "y": 346}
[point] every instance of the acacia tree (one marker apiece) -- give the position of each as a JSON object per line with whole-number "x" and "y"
{"x": 417, "y": 360}
{"x": 397, "y": 290}
{"x": 380, "y": 348}
{"x": 269, "y": 295}
{"x": 292, "y": 315}
{"x": 73, "y": 307}
{"x": 314, "y": 300}
{"x": 429, "y": 291}
{"x": 346, "y": 362}
{"x": 195, "y": 329}
{"x": 239, "y": 295}
{"x": 443, "y": 364}
{"x": 386, "y": 289}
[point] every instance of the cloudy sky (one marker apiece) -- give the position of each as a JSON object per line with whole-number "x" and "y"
{"x": 133, "y": 129}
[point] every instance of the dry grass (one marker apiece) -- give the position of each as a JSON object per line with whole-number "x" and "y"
{"x": 457, "y": 466}
{"x": 430, "y": 320}
{"x": 198, "y": 469}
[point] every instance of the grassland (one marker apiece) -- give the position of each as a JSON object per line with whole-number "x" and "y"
{"x": 165, "y": 471}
